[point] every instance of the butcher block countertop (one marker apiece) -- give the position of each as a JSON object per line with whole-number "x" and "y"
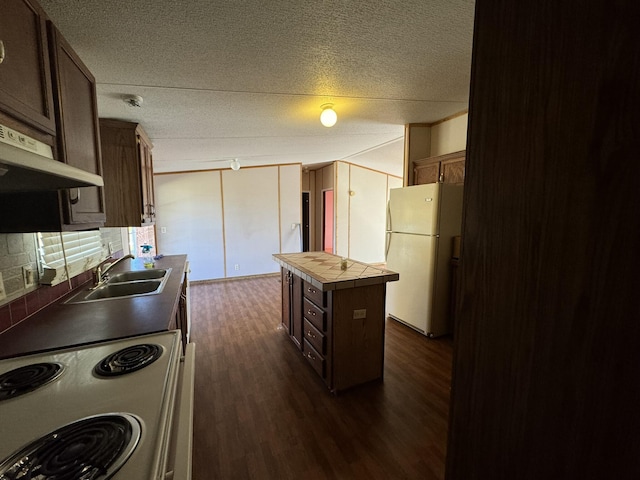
{"x": 323, "y": 270}
{"x": 62, "y": 325}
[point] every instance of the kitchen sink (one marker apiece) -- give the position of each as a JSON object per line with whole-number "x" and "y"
{"x": 125, "y": 285}
{"x": 151, "y": 274}
{"x": 124, "y": 289}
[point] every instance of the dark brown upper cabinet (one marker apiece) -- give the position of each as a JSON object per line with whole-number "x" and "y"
{"x": 77, "y": 136}
{"x": 448, "y": 168}
{"x": 25, "y": 76}
{"x": 128, "y": 174}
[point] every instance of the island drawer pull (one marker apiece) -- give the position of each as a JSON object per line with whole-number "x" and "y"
{"x": 311, "y": 312}
{"x": 315, "y": 294}
{"x": 311, "y": 357}
{"x": 310, "y": 334}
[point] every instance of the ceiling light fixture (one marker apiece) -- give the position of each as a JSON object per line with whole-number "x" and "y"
{"x": 133, "y": 100}
{"x": 235, "y": 164}
{"x": 328, "y": 117}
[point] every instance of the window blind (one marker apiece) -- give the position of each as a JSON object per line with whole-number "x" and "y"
{"x": 67, "y": 254}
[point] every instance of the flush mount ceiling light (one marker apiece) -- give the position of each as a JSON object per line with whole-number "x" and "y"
{"x": 235, "y": 164}
{"x": 328, "y": 117}
{"x": 133, "y": 100}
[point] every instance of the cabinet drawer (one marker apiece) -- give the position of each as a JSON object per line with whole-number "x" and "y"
{"x": 314, "y": 294}
{"x": 314, "y": 314}
{"x": 314, "y": 358}
{"x": 315, "y": 337}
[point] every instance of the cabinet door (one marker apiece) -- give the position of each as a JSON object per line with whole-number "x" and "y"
{"x": 78, "y": 132}
{"x": 292, "y": 306}
{"x": 286, "y": 299}
{"x": 426, "y": 173}
{"x": 25, "y": 77}
{"x": 297, "y": 332}
{"x": 453, "y": 171}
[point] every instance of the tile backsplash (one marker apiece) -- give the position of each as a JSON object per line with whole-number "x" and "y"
{"x": 18, "y": 250}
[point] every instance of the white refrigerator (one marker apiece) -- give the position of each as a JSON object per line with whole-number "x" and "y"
{"x": 421, "y": 223}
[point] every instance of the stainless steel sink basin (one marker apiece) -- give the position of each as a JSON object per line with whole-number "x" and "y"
{"x": 125, "y": 285}
{"x": 151, "y": 274}
{"x": 124, "y": 289}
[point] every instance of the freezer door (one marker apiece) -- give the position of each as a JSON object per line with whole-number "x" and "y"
{"x": 414, "y": 209}
{"x": 410, "y": 299}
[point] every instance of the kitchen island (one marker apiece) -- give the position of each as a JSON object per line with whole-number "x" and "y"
{"x": 66, "y": 324}
{"x": 333, "y": 309}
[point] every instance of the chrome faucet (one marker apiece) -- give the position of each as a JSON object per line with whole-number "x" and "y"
{"x": 103, "y": 275}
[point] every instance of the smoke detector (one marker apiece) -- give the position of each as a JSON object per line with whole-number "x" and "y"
{"x": 133, "y": 100}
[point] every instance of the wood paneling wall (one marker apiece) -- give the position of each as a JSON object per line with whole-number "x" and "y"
{"x": 546, "y": 381}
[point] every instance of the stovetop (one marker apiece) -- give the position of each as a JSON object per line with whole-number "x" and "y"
{"x": 80, "y": 390}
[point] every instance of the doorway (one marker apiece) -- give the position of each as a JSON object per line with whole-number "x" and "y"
{"x": 305, "y": 222}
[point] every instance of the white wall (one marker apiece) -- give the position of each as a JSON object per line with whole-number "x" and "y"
{"x": 388, "y": 157}
{"x": 368, "y": 215}
{"x": 189, "y": 220}
{"x": 225, "y": 218}
{"x": 341, "y": 209}
{"x": 361, "y": 216}
{"x": 252, "y": 230}
{"x": 449, "y": 136}
{"x": 290, "y": 208}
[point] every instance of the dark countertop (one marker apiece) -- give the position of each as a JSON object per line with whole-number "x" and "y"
{"x": 62, "y": 325}
{"x": 323, "y": 270}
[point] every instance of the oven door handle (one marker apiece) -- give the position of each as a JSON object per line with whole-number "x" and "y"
{"x": 184, "y": 434}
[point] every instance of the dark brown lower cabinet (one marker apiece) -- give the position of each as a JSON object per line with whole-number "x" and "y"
{"x": 292, "y": 306}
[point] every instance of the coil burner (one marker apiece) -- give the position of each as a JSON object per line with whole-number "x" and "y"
{"x": 91, "y": 448}
{"x": 128, "y": 360}
{"x": 28, "y": 378}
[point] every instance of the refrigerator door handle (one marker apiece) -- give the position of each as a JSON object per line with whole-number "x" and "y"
{"x": 388, "y": 244}
{"x": 389, "y": 217}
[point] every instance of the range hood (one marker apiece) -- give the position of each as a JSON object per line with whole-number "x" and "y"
{"x": 27, "y": 165}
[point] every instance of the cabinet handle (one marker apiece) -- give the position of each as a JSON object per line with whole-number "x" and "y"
{"x": 311, "y": 312}
{"x": 1, "y": 51}
{"x": 310, "y": 334}
{"x": 311, "y": 357}
{"x": 72, "y": 200}
{"x": 311, "y": 290}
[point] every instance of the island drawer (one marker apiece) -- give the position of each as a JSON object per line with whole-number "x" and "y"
{"x": 314, "y": 294}
{"x": 315, "y": 337}
{"x": 314, "y": 358}
{"x": 314, "y": 314}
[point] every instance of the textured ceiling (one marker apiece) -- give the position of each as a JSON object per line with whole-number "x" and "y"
{"x": 225, "y": 79}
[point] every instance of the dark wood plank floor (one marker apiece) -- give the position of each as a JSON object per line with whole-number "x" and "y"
{"x": 262, "y": 413}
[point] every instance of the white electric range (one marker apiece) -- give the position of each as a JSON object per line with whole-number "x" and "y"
{"x": 107, "y": 410}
